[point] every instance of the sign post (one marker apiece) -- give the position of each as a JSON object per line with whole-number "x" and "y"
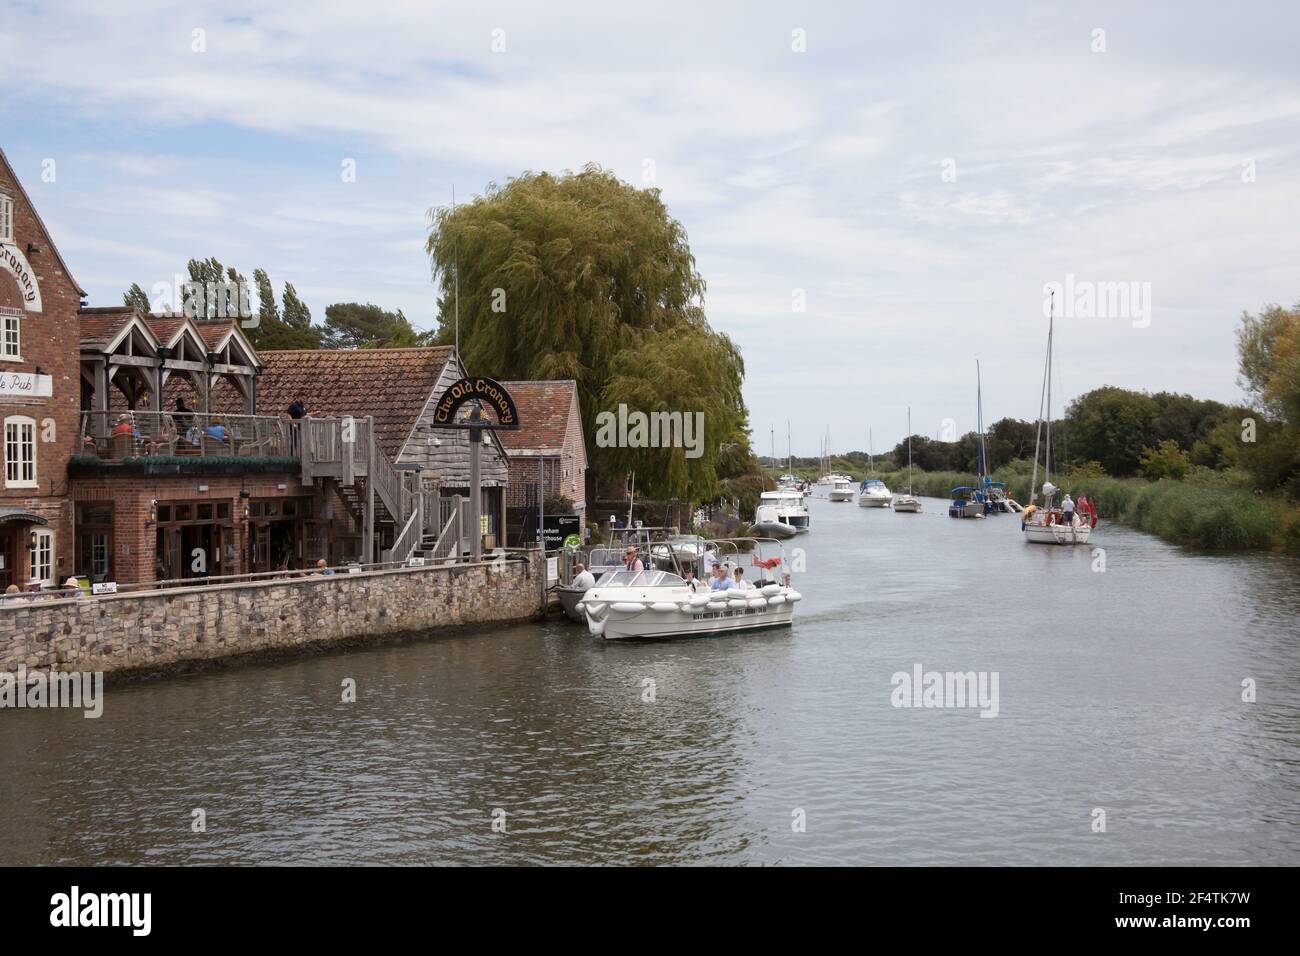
{"x": 477, "y": 390}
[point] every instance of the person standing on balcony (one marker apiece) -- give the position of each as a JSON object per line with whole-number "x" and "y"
{"x": 297, "y": 412}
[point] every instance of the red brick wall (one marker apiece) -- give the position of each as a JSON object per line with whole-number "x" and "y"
{"x": 50, "y": 339}
{"x": 134, "y": 542}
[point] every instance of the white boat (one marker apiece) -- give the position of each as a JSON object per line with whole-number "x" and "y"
{"x": 651, "y": 604}
{"x": 780, "y": 514}
{"x": 908, "y": 502}
{"x": 841, "y": 489}
{"x": 874, "y": 494}
{"x": 1048, "y": 524}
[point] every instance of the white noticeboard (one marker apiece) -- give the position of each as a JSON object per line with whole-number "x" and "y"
{"x": 552, "y": 569}
{"x": 104, "y": 587}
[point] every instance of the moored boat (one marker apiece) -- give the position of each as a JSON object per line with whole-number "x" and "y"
{"x": 874, "y": 494}
{"x": 841, "y": 489}
{"x": 1049, "y": 524}
{"x": 780, "y": 514}
{"x": 654, "y": 604}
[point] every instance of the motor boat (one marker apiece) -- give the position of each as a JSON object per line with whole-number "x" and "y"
{"x": 780, "y": 514}
{"x": 874, "y": 494}
{"x": 654, "y": 603}
{"x": 841, "y": 489}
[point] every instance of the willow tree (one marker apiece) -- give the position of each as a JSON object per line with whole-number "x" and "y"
{"x": 582, "y": 276}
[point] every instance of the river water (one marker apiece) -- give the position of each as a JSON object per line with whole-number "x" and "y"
{"x": 1119, "y": 692}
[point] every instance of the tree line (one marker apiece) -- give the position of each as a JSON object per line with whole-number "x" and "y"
{"x": 288, "y": 323}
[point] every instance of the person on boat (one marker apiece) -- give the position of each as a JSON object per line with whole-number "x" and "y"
{"x": 689, "y": 575}
{"x": 583, "y": 579}
{"x": 740, "y": 583}
{"x": 721, "y": 580}
{"x": 631, "y": 562}
{"x": 1067, "y": 510}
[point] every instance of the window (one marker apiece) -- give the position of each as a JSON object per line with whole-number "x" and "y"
{"x": 20, "y": 452}
{"x": 6, "y": 219}
{"x": 42, "y": 556}
{"x": 11, "y": 334}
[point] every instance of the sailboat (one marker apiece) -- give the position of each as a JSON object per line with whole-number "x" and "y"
{"x": 908, "y": 502}
{"x": 1047, "y": 525}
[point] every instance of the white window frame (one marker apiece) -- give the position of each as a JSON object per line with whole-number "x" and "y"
{"x": 20, "y": 469}
{"x": 11, "y": 321}
{"x": 40, "y": 556}
{"x": 6, "y": 219}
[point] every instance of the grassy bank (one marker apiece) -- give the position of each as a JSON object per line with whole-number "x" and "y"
{"x": 1211, "y": 511}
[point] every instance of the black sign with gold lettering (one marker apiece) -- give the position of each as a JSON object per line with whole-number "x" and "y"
{"x": 488, "y": 391}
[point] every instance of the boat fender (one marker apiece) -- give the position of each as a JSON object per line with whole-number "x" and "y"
{"x": 758, "y": 602}
{"x": 580, "y": 607}
{"x": 699, "y": 600}
{"x": 775, "y": 600}
{"x": 794, "y": 596}
{"x": 664, "y": 606}
{"x": 770, "y": 589}
{"x": 626, "y": 607}
{"x": 738, "y": 603}
{"x": 695, "y": 608}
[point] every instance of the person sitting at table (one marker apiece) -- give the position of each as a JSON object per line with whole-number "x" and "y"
{"x": 123, "y": 426}
{"x": 215, "y": 430}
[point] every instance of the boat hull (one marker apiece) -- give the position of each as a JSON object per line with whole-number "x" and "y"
{"x": 1037, "y": 533}
{"x": 906, "y": 503}
{"x": 873, "y": 501}
{"x": 569, "y": 598}
{"x": 626, "y": 615}
{"x": 774, "y": 529}
{"x": 841, "y": 496}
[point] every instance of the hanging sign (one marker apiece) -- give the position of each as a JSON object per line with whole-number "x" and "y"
{"x": 488, "y": 391}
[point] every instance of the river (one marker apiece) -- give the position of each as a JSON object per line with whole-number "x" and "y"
{"x": 1119, "y": 691}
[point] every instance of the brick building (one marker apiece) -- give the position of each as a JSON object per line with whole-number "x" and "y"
{"x": 39, "y": 392}
{"x": 548, "y": 451}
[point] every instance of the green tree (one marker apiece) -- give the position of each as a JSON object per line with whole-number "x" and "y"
{"x": 1110, "y": 425}
{"x": 136, "y": 298}
{"x": 267, "y": 310}
{"x": 1166, "y": 460}
{"x": 351, "y": 325}
{"x": 1268, "y": 352}
{"x": 586, "y": 277}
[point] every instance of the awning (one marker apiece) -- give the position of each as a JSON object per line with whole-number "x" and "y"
{"x": 19, "y": 516}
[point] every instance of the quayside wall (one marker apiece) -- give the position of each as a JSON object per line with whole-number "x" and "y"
{"x": 170, "y": 629}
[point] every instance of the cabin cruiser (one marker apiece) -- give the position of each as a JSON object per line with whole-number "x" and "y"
{"x": 907, "y": 503}
{"x": 780, "y": 514}
{"x": 655, "y": 603}
{"x": 874, "y": 494}
{"x": 841, "y": 490}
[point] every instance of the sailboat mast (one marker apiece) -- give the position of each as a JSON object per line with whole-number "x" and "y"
{"x": 1051, "y": 326}
{"x": 909, "y": 449}
{"x": 979, "y": 423}
{"x": 1038, "y": 432}
{"x": 789, "y": 457}
{"x": 871, "y": 454}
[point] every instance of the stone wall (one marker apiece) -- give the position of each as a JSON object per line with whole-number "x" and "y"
{"x": 160, "y": 630}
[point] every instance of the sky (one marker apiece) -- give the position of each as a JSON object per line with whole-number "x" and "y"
{"x": 877, "y": 195}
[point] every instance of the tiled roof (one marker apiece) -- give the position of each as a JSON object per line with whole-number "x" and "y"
{"x": 100, "y": 326}
{"x": 544, "y": 409}
{"x": 393, "y": 385}
{"x": 213, "y": 330}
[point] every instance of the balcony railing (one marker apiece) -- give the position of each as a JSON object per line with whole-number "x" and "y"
{"x": 116, "y": 435}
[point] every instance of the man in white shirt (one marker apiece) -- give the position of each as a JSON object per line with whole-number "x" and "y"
{"x": 583, "y": 579}
{"x": 1067, "y": 509}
